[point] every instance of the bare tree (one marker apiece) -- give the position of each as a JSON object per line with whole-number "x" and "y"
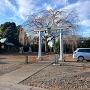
{"x": 55, "y": 18}
{"x": 22, "y": 36}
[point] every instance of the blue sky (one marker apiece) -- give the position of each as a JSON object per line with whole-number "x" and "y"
{"x": 17, "y": 10}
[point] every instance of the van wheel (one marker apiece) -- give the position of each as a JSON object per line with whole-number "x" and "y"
{"x": 88, "y": 60}
{"x": 80, "y": 58}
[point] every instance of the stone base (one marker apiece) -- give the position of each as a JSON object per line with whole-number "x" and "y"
{"x": 39, "y": 58}
{"x": 62, "y": 60}
{"x": 56, "y": 64}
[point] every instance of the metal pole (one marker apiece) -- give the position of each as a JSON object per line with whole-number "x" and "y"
{"x": 61, "y": 47}
{"x": 39, "y": 50}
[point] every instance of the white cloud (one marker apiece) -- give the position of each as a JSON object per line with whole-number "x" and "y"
{"x": 30, "y": 6}
{"x": 60, "y": 2}
{"x": 1, "y": 5}
{"x": 6, "y": 5}
{"x": 47, "y": 6}
{"x": 26, "y": 7}
{"x": 85, "y": 23}
{"x": 10, "y": 5}
{"x": 52, "y": 4}
{"x": 83, "y": 9}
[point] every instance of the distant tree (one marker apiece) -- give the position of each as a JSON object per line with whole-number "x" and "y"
{"x": 86, "y": 43}
{"x": 9, "y": 31}
{"x": 34, "y": 47}
{"x": 45, "y": 43}
{"x": 0, "y": 32}
{"x": 21, "y": 35}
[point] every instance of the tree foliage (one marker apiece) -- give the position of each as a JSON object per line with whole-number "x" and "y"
{"x": 9, "y": 31}
{"x": 85, "y": 43}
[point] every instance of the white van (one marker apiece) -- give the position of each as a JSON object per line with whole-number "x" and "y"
{"x": 82, "y": 54}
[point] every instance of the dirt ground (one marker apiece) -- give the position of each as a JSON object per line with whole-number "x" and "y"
{"x": 69, "y": 75}
{"x": 11, "y": 62}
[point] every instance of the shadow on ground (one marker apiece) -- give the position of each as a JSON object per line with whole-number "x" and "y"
{"x": 3, "y": 63}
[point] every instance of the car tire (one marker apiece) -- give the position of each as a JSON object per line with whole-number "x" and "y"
{"x": 88, "y": 60}
{"x": 80, "y": 58}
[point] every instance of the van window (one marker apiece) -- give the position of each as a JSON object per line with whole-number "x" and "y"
{"x": 87, "y": 50}
{"x": 81, "y": 50}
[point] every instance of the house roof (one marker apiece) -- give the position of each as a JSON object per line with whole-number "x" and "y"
{"x": 9, "y": 43}
{"x": 3, "y": 40}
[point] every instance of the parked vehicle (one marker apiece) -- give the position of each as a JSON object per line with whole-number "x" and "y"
{"x": 82, "y": 54}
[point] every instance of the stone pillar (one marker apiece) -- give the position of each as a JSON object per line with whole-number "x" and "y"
{"x": 39, "y": 49}
{"x": 61, "y": 46}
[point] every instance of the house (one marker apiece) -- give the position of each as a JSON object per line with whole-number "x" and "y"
{"x": 6, "y": 46}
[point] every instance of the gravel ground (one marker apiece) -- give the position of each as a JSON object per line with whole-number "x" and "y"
{"x": 9, "y": 63}
{"x": 66, "y": 76}
{"x": 7, "y": 68}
